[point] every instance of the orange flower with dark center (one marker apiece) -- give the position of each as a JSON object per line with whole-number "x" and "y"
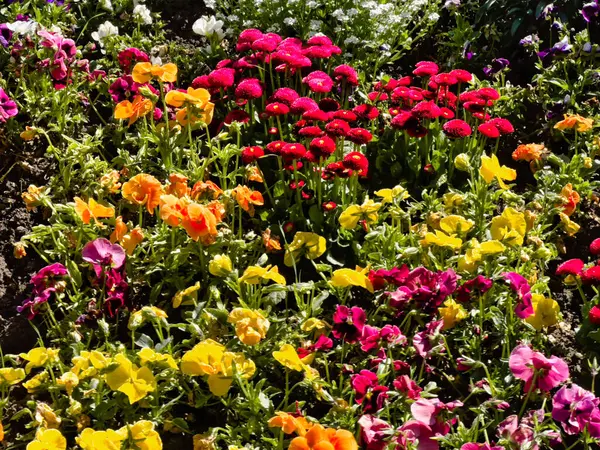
{"x": 271, "y": 244}
{"x": 143, "y": 189}
{"x": 206, "y": 189}
{"x": 247, "y": 198}
{"x": 321, "y": 438}
{"x": 570, "y": 199}
{"x": 171, "y": 209}
{"x": 143, "y": 72}
{"x": 133, "y": 111}
{"x": 177, "y": 185}
{"x": 200, "y": 223}
{"x": 529, "y": 152}
{"x": 92, "y": 210}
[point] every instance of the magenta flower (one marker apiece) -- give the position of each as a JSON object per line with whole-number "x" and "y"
{"x": 475, "y": 446}
{"x": 429, "y": 340}
{"x": 369, "y": 393}
{"x": 348, "y": 323}
{"x": 46, "y": 282}
{"x": 129, "y": 56}
{"x": 116, "y": 291}
{"x": 573, "y": 407}
{"x": 475, "y": 287}
{"x": 429, "y": 289}
{"x": 527, "y": 364}
{"x": 415, "y": 432}
{"x": 375, "y": 432}
{"x": 8, "y": 108}
{"x": 519, "y": 284}
{"x": 408, "y": 387}
{"x": 516, "y": 433}
{"x": 104, "y": 255}
{"x": 396, "y": 276}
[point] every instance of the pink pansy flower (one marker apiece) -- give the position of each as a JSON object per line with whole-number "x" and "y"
{"x": 573, "y": 407}
{"x": 417, "y": 432}
{"x": 369, "y": 393}
{"x": 374, "y": 432}
{"x": 407, "y": 386}
{"x": 525, "y": 363}
{"x": 102, "y": 254}
{"x": 475, "y": 446}
{"x": 514, "y": 432}
{"x": 348, "y": 323}
{"x": 519, "y": 284}
{"x": 429, "y": 340}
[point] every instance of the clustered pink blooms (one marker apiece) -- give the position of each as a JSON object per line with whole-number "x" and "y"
{"x": 108, "y": 261}
{"x": 576, "y": 409}
{"x": 521, "y": 287}
{"x": 49, "y": 280}
{"x": 536, "y": 370}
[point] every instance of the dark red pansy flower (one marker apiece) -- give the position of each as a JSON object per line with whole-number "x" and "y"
{"x": 489, "y": 130}
{"x": 457, "y": 128}
{"x": 570, "y": 267}
{"x": 348, "y": 323}
{"x": 251, "y": 154}
{"x": 237, "y": 115}
{"x": 476, "y": 286}
{"x": 418, "y": 131}
{"x": 369, "y": 393}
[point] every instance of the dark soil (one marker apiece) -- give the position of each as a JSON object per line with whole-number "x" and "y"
{"x": 16, "y": 174}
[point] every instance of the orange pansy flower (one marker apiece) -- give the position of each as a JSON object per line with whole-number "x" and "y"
{"x": 143, "y": 72}
{"x": 321, "y": 438}
{"x": 143, "y": 189}
{"x": 131, "y": 240}
{"x": 271, "y": 244}
{"x": 177, "y": 185}
{"x": 193, "y": 96}
{"x": 206, "y": 188}
{"x": 529, "y": 152}
{"x": 218, "y": 209}
{"x": 247, "y": 198}
{"x": 253, "y": 173}
{"x": 576, "y": 122}
{"x": 289, "y": 423}
{"x": 92, "y": 210}
{"x": 110, "y": 181}
{"x": 171, "y": 209}
{"x": 189, "y": 114}
{"x": 133, "y": 111}
{"x": 570, "y": 199}
{"x": 120, "y": 230}
{"x": 200, "y": 223}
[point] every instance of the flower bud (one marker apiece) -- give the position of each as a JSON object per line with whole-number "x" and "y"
{"x": 587, "y": 163}
{"x": 19, "y": 250}
{"x": 461, "y": 162}
{"x": 220, "y": 266}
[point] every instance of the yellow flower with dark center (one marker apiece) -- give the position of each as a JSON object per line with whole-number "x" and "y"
{"x": 452, "y": 313}
{"x": 354, "y": 213}
{"x": 188, "y": 296}
{"x": 250, "y": 326}
{"x": 288, "y": 357}
{"x": 10, "y": 376}
{"x": 48, "y": 440}
{"x": 546, "y": 312}
{"x": 510, "y": 227}
{"x": 348, "y": 277}
{"x": 256, "y": 275}
{"x": 491, "y": 168}
{"x": 132, "y": 381}
{"x": 306, "y": 244}
{"x": 39, "y": 357}
{"x": 441, "y": 239}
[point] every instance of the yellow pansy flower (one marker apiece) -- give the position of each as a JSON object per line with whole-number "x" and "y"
{"x": 148, "y": 355}
{"x": 353, "y": 213}
{"x": 546, "y": 311}
{"x": 256, "y": 274}
{"x": 348, "y": 277}
{"x": 39, "y": 357}
{"x": 288, "y": 357}
{"x": 220, "y": 266}
{"x": 310, "y": 245}
{"x": 250, "y": 326}
{"x": 141, "y": 435}
{"x": 491, "y": 168}
{"x": 313, "y": 324}
{"x": 452, "y": 313}
{"x": 510, "y": 227}
{"x": 45, "y": 416}
{"x": 10, "y": 376}
{"x": 69, "y": 381}
{"x": 188, "y": 296}
{"x": 48, "y": 440}
{"x": 569, "y": 226}
{"x": 441, "y": 239}
{"x": 87, "y": 364}
{"x": 452, "y": 200}
{"x": 35, "y": 382}
{"x": 138, "y": 317}
{"x": 89, "y": 439}
{"x": 134, "y": 382}
{"x": 477, "y": 251}
{"x": 388, "y": 195}
{"x": 455, "y": 224}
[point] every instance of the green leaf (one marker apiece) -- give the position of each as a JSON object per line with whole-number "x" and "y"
{"x": 144, "y": 340}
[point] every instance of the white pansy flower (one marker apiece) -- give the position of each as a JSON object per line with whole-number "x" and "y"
{"x": 105, "y": 30}
{"x": 434, "y": 17}
{"x": 208, "y": 26}
{"x": 143, "y": 14}
{"x": 211, "y": 4}
{"x": 22, "y": 27}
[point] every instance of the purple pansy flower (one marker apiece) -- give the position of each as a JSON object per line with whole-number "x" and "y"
{"x": 104, "y": 255}
{"x": 498, "y": 64}
{"x": 573, "y": 407}
{"x": 5, "y": 34}
{"x": 590, "y": 11}
{"x": 45, "y": 283}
